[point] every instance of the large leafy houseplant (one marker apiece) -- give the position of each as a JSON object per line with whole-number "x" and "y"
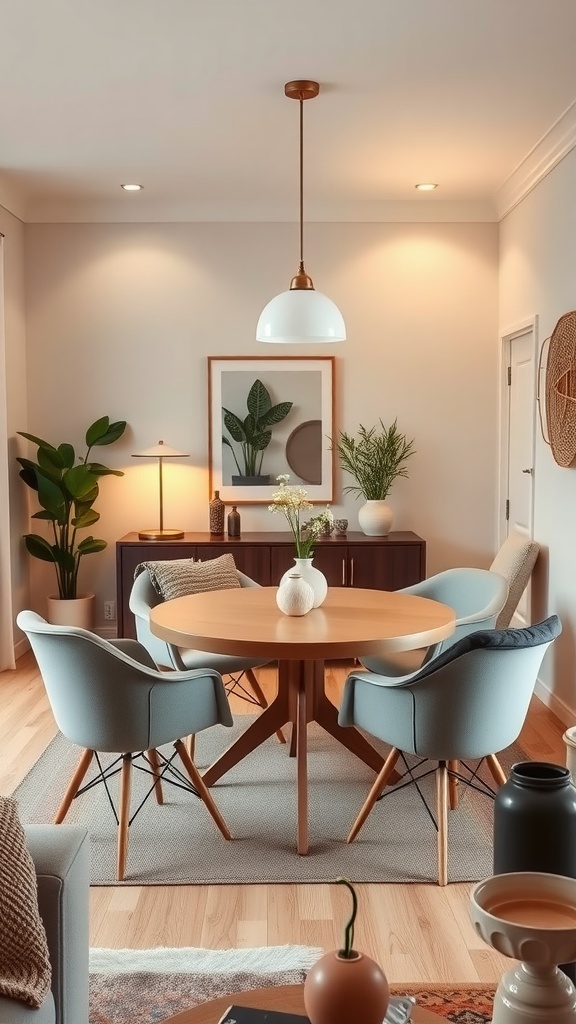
{"x": 254, "y": 433}
{"x": 375, "y": 458}
{"x": 67, "y": 488}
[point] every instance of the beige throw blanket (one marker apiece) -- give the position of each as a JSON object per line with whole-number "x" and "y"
{"x": 24, "y": 961}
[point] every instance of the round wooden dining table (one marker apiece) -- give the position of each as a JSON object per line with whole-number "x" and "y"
{"x": 350, "y": 623}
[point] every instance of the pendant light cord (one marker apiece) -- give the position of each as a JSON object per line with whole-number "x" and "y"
{"x": 301, "y": 183}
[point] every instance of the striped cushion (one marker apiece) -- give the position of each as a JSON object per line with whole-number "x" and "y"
{"x": 24, "y": 961}
{"x": 180, "y": 576}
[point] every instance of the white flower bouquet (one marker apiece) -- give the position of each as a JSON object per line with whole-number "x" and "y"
{"x": 292, "y": 501}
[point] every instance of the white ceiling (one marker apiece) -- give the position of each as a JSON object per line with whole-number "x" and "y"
{"x": 186, "y": 97}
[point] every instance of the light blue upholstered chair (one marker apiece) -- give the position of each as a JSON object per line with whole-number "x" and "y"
{"x": 477, "y": 597}
{"x": 110, "y": 697}
{"x": 144, "y": 597}
{"x": 469, "y": 702}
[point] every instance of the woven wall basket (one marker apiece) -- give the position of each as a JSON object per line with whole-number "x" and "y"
{"x": 561, "y": 390}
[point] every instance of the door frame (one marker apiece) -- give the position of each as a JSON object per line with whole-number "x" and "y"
{"x": 507, "y": 336}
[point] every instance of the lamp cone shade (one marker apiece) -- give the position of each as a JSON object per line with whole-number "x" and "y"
{"x": 301, "y": 316}
{"x": 160, "y": 451}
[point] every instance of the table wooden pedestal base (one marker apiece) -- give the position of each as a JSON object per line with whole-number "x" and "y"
{"x": 301, "y": 699}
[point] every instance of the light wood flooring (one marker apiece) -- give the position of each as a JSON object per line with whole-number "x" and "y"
{"x": 418, "y": 933}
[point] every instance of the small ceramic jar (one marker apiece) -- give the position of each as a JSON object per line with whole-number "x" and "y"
{"x": 294, "y": 595}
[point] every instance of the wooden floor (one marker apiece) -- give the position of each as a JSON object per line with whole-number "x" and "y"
{"x": 418, "y": 933}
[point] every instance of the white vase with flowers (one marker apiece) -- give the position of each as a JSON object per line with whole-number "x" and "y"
{"x": 292, "y": 501}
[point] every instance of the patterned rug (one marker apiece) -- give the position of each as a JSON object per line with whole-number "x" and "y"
{"x": 132, "y": 986}
{"x": 470, "y": 1004}
{"x": 178, "y": 843}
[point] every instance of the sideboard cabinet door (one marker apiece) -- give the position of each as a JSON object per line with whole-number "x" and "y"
{"x": 384, "y": 568}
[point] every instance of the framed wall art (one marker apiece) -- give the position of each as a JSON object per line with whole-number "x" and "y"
{"x": 267, "y": 417}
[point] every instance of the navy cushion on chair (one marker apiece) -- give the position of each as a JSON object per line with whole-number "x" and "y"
{"x": 503, "y": 639}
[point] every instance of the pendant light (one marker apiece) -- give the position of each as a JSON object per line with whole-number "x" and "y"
{"x": 301, "y": 315}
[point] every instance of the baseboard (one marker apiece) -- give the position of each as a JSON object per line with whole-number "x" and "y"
{"x": 563, "y": 711}
{"x": 20, "y": 647}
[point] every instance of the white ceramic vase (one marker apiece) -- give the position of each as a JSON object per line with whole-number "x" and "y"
{"x": 294, "y": 596}
{"x": 78, "y": 611}
{"x": 313, "y": 576}
{"x": 375, "y": 518}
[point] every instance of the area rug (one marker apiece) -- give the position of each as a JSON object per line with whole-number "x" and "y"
{"x": 147, "y": 986}
{"x": 178, "y": 843}
{"x": 133, "y": 986}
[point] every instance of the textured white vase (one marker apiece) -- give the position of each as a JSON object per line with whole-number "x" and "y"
{"x": 313, "y": 576}
{"x": 294, "y": 596}
{"x": 375, "y": 518}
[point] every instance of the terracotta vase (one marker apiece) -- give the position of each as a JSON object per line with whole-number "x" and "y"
{"x": 339, "y": 990}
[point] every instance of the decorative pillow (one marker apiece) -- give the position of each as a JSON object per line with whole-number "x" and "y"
{"x": 25, "y": 972}
{"x": 181, "y": 576}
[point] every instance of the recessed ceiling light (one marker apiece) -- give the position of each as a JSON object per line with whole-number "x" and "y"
{"x": 132, "y": 188}
{"x": 426, "y": 186}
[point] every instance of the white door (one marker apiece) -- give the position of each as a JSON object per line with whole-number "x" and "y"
{"x": 519, "y": 420}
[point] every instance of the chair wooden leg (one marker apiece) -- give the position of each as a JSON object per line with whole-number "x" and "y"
{"x": 261, "y": 698}
{"x": 203, "y": 790}
{"x": 442, "y": 811}
{"x": 377, "y": 788}
{"x": 124, "y": 816}
{"x": 293, "y": 735}
{"x": 74, "y": 785}
{"x": 453, "y": 784}
{"x": 155, "y": 765}
{"x": 191, "y": 745}
{"x": 498, "y": 773}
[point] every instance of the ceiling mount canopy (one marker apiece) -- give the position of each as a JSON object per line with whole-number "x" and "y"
{"x": 301, "y": 315}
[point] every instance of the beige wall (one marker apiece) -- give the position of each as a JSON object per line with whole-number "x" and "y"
{"x": 16, "y": 399}
{"x": 120, "y": 320}
{"x": 538, "y": 260}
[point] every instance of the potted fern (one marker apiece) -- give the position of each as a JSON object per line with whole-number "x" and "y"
{"x": 375, "y": 459}
{"x": 67, "y": 487}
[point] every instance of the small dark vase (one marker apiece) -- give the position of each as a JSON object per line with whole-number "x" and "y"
{"x": 234, "y": 523}
{"x": 217, "y": 510}
{"x": 535, "y": 823}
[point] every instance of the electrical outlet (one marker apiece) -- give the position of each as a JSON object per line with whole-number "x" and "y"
{"x": 109, "y": 609}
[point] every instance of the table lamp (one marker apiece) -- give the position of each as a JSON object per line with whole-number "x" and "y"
{"x": 160, "y": 451}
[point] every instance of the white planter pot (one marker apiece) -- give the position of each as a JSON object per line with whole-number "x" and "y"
{"x": 78, "y": 611}
{"x": 294, "y": 596}
{"x": 375, "y": 518}
{"x": 313, "y": 576}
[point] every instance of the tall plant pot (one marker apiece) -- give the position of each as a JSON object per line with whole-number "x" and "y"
{"x": 78, "y": 611}
{"x": 375, "y": 518}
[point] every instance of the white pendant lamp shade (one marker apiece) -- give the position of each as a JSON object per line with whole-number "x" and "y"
{"x": 300, "y": 316}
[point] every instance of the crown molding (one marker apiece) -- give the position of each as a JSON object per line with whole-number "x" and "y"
{"x": 554, "y": 145}
{"x": 147, "y": 211}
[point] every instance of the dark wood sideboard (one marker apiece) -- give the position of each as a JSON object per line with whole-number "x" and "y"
{"x": 376, "y": 563}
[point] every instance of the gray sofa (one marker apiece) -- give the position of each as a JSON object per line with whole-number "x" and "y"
{"x": 61, "y": 855}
